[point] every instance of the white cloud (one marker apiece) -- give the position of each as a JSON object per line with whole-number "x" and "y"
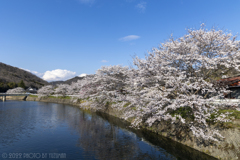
{"x": 104, "y": 61}
{"x": 58, "y": 75}
{"x": 55, "y": 75}
{"x": 129, "y": 38}
{"x": 141, "y": 6}
{"x": 82, "y": 75}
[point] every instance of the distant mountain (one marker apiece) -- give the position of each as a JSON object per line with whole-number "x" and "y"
{"x": 11, "y": 76}
{"x": 69, "y": 81}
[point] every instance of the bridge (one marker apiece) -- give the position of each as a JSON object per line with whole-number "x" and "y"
{"x": 4, "y": 95}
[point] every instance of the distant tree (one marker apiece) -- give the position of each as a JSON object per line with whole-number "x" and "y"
{"x": 16, "y": 90}
{"x": 12, "y": 85}
{"x": 88, "y": 87}
{"x": 74, "y": 88}
{"x": 62, "y": 89}
{"x": 21, "y": 84}
{"x": 111, "y": 82}
{"x": 46, "y": 90}
{"x": 3, "y": 87}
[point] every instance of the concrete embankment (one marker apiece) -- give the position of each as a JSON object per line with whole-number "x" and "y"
{"x": 227, "y": 148}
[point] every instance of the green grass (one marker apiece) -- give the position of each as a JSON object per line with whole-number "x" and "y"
{"x": 33, "y": 96}
{"x": 127, "y": 104}
{"x": 234, "y": 113}
{"x": 184, "y": 112}
{"x": 134, "y": 108}
{"x": 110, "y": 103}
{"x": 80, "y": 100}
{"x": 60, "y": 97}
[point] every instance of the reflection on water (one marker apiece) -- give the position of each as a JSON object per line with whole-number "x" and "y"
{"x": 37, "y": 127}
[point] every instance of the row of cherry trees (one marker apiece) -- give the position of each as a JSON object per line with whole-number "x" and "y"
{"x": 180, "y": 76}
{"x": 16, "y": 90}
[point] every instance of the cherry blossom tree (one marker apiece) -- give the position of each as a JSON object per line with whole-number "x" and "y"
{"x": 107, "y": 85}
{"x": 62, "y": 89}
{"x": 16, "y": 90}
{"x": 181, "y": 75}
{"x": 74, "y": 88}
{"x": 46, "y": 90}
{"x": 112, "y": 82}
{"x": 88, "y": 87}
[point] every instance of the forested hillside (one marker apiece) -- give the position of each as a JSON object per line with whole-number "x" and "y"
{"x": 10, "y": 77}
{"x": 69, "y": 81}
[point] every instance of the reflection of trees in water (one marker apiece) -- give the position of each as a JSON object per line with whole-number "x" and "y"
{"x": 166, "y": 146}
{"x": 105, "y": 140}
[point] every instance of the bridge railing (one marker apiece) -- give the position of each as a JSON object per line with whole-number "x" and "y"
{"x": 14, "y": 94}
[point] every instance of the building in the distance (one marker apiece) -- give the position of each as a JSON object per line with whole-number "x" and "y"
{"x": 31, "y": 90}
{"x": 234, "y": 85}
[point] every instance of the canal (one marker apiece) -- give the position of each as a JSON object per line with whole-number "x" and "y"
{"x": 38, "y": 130}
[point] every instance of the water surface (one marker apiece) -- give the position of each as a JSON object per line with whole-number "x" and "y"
{"x": 38, "y": 130}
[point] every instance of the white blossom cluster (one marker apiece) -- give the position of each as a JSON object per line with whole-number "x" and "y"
{"x": 46, "y": 90}
{"x": 181, "y": 75}
{"x": 16, "y": 90}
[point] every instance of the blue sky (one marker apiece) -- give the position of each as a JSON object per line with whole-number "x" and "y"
{"x": 60, "y": 39}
